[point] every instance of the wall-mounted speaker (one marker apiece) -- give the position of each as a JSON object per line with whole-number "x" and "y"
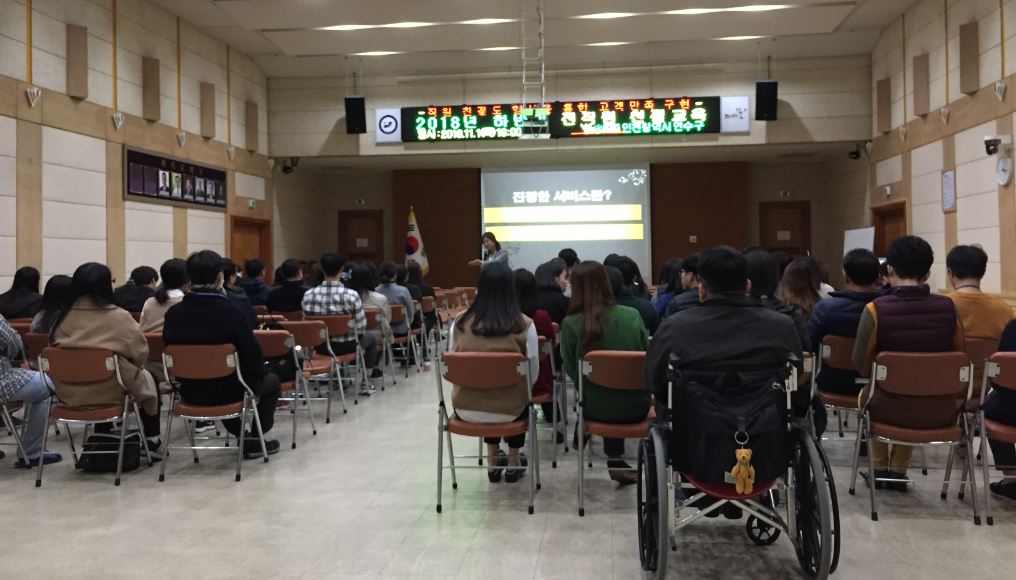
{"x": 765, "y": 100}
{"x": 356, "y": 115}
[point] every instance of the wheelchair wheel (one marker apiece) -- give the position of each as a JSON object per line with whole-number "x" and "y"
{"x": 761, "y": 533}
{"x": 835, "y": 509}
{"x": 813, "y": 504}
{"x": 653, "y": 523}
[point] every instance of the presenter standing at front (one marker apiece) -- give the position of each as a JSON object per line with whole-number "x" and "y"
{"x": 492, "y": 252}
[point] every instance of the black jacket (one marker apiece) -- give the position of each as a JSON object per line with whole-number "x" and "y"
{"x": 132, "y": 297}
{"x": 240, "y": 300}
{"x": 20, "y": 304}
{"x": 554, "y": 302}
{"x": 838, "y": 315}
{"x": 208, "y": 318}
{"x": 686, "y": 299}
{"x": 286, "y": 298}
{"x": 644, "y": 307}
{"x": 256, "y": 290}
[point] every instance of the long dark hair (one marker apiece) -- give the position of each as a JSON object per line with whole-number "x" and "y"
{"x": 495, "y": 312}
{"x": 493, "y": 238}
{"x": 361, "y": 279}
{"x": 592, "y": 297}
{"x": 763, "y": 271}
{"x": 525, "y": 289}
{"x": 92, "y": 280}
{"x": 55, "y": 300}
{"x": 415, "y": 272}
{"x": 174, "y": 277}
{"x": 547, "y": 273}
{"x": 800, "y": 289}
{"x": 26, "y": 279}
{"x": 670, "y": 278}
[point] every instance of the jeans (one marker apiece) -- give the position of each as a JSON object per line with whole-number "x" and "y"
{"x": 37, "y": 394}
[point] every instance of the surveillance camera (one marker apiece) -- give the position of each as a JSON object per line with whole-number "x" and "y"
{"x": 294, "y": 161}
{"x": 287, "y": 166}
{"x": 855, "y": 154}
{"x": 994, "y": 143}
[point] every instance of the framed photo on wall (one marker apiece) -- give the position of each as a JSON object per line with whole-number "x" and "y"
{"x": 166, "y": 180}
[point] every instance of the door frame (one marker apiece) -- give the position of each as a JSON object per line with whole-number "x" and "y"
{"x": 265, "y": 227}
{"x": 877, "y": 213}
{"x": 379, "y": 217}
{"x": 803, "y": 204}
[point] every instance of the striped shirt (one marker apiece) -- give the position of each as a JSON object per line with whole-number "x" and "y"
{"x": 12, "y": 378}
{"x": 334, "y": 298}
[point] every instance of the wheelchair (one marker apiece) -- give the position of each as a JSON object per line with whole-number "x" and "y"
{"x": 800, "y": 501}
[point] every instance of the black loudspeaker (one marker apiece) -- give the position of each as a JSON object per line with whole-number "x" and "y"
{"x": 765, "y": 100}
{"x": 356, "y": 115}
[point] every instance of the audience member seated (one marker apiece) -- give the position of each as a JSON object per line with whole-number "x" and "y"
{"x": 597, "y": 322}
{"x": 494, "y": 323}
{"x": 55, "y": 300}
{"x": 415, "y": 292}
{"x": 361, "y": 281}
{"x": 396, "y": 295}
{"x": 175, "y": 284}
{"x": 141, "y": 286}
{"x": 983, "y": 315}
{"x": 669, "y": 284}
{"x": 22, "y": 385}
{"x": 94, "y": 321}
{"x": 426, "y": 290}
{"x": 331, "y": 297}
{"x": 800, "y": 287}
{"x": 764, "y": 275}
{"x": 316, "y": 277}
{"x": 1000, "y": 406}
{"x": 908, "y": 319}
{"x": 629, "y": 296}
{"x": 551, "y": 280}
{"x": 253, "y": 283}
{"x": 206, "y": 317}
{"x": 840, "y": 314}
{"x": 235, "y": 294}
{"x": 570, "y": 258}
{"x": 23, "y": 299}
{"x": 688, "y": 296}
{"x": 288, "y": 295}
{"x": 525, "y": 289}
{"x": 783, "y": 260}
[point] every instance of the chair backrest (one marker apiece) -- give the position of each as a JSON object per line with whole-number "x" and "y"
{"x": 837, "y": 352}
{"x": 270, "y": 318}
{"x": 35, "y": 343}
{"x": 259, "y": 309}
{"x": 308, "y": 334}
{"x": 155, "y": 346}
{"x": 200, "y": 361}
{"x": 1001, "y": 370}
{"x": 979, "y": 350}
{"x": 19, "y": 321}
{"x": 398, "y": 313}
{"x": 483, "y": 370}
{"x": 374, "y": 316}
{"x": 293, "y": 315}
{"x": 556, "y": 327}
{"x": 470, "y": 293}
{"x": 337, "y": 324}
{"x": 22, "y": 328}
{"x": 77, "y": 365}
{"x": 807, "y": 368}
{"x": 923, "y": 374}
{"x": 615, "y": 369}
{"x": 274, "y": 343}
{"x": 428, "y": 304}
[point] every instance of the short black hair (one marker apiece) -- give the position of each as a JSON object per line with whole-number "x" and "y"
{"x": 691, "y": 264}
{"x": 911, "y": 257}
{"x": 861, "y": 266}
{"x": 389, "y": 271}
{"x": 144, "y": 275}
{"x": 332, "y": 263}
{"x": 253, "y": 268}
{"x": 569, "y": 256}
{"x": 723, "y": 269}
{"x": 288, "y": 269}
{"x": 628, "y": 270}
{"x": 616, "y": 280}
{"x": 203, "y": 267}
{"x": 547, "y": 273}
{"x": 229, "y": 269}
{"x": 783, "y": 259}
{"x": 967, "y": 262}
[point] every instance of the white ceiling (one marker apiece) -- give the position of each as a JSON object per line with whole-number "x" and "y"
{"x": 284, "y": 37}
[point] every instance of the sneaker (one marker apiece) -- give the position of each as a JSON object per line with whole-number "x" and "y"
{"x": 621, "y": 472}
{"x": 366, "y": 390}
{"x": 202, "y": 426}
{"x": 252, "y": 448}
{"x": 48, "y": 458}
{"x": 376, "y": 374}
{"x": 1005, "y": 490}
{"x": 494, "y": 475}
{"x": 154, "y": 449}
{"x": 513, "y": 474}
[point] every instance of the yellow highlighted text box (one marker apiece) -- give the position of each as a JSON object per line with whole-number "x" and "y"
{"x": 568, "y": 232}
{"x": 562, "y": 213}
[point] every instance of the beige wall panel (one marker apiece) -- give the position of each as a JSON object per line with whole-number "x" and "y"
{"x": 970, "y": 53}
{"x": 208, "y": 110}
{"x": 180, "y": 232}
{"x": 8, "y": 199}
{"x": 922, "y": 85}
{"x": 1007, "y": 231}
{"x": 883, "y": 105}
{"x": 251, "y": 123}
{"x": 63, "y": 112}
{"x": 151, "y": 101}
{"x": 77, "y": 61}
{"x": 8, "y": 96}
{"x": 29, "y": 199}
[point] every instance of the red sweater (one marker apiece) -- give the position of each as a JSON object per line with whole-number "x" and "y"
{"x": 545, "y": 328}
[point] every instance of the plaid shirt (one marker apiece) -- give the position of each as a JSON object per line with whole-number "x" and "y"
{"x": 12, "y": 378}
{"x": 334, "y": 298}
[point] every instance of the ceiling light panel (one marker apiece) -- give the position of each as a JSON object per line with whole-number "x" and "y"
{"x": 377, "y": 53}
{"x": 607, "y": 43}
{"x": 607, "y": 15}
{"x": 747, "y": 37}
{"x": 486, "y": 21}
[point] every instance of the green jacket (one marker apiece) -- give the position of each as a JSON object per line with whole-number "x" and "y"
{"x": 622, "y": 330}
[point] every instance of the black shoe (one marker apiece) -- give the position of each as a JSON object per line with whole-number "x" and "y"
{"x": 202, "y": 426}
{"x": 48, "y": 458}
{"x": 900, "y": 486}
{"x": 2, "y": 455}
{"x": 376, "y": 374}
{"x": 154, "y": 450}
{"x": 731, "y": 511}
{"x": 494, "y": 474}
{"x": 559, "y": 437}
{"x": 704, "y": 502}
{"x": 252, "y": 449}
{"x": 513, "y": 474}
{"x": 621, "y": 472}
{"x": 864, "y": 449}
{"x": 1004, "y": 490}
{"x": 575, "y": 439}
{"x": 879, "y": 473}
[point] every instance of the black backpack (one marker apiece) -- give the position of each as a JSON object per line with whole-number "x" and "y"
{"x": 106, "y": 462}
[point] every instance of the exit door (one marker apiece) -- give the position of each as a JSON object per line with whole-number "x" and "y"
{"x": 249, "y": 239}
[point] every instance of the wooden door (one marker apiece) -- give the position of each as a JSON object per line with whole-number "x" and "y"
{"x": 251, "y": 238}
{"x": 361, "y": 235}
{"x": 785, "y": 226}
{"x": 890, "y": 222}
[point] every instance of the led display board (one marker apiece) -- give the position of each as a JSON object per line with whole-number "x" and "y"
{"x": 466, "y": 122}
{"x": 671, "y": 116}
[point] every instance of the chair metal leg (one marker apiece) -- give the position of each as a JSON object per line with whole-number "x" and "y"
{"x": 553, "y": 423}
{"x": 45, "y": 438}
{"x": 451, "y": 459}
{"x": 479, "y": 451}
{"x": 536, "y": 447}
{"x": 986, "y": 477}
{"x": 440, "y": 459}
{"x": 857, "y": 456}
{"x": 141, "y": 429}
{"x": 948, "y": 473}
{"x": 242, "y": 438}
{"x": 924, "y": 462}
{"x": 582, "y": 465}
{"x": 534, "y": 453}
{"x": 839, "y": 420}
{"x": 261, "y": 434}
{"x": 332, "y": 374}
{"x": 871, "y": 486}
{"x": 310, "y": 407}
{"x": 189, "y": 428}
{"x": 123, "y": 437}
{"x": 169, "y": 432}
{"x": 969, "y": 466}
{"x": 963, "y": 479}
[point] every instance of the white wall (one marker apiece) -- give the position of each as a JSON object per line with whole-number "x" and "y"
{"x": 149, "y": 234}
{"x": 977, "y": 200}
{"x": 206, "y": 230}
{"x": 8, "y": 202}
{"x": 926, "y": 210}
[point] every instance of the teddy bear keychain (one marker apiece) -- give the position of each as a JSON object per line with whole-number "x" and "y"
{"x": 743, "y": 473}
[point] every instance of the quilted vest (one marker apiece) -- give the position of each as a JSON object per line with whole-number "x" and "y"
{"x": 912, "y": 319}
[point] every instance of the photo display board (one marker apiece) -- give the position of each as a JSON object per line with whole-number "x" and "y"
{"x": 151, "y": 177}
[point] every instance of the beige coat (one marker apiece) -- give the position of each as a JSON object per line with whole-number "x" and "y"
{"x": 379, "y": 301}
{"x": 88, "y": 325}
{"x": 153, "y": 314}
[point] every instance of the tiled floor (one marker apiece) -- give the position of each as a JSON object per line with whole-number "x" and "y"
{"x": 357, "y": 501}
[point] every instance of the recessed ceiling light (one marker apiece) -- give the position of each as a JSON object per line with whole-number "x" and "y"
{"x": 488, "y": 21}
{"x": 607, "y": 15}
{"x": 740, "y": 37}
{"x": 346, "y": 27}
{"x": 693, "y": 11}
{"x": 760, "y": 8}
{"x": 498, "y": 48}
{"x": 376, "y": 53}
{"x": 407, "y": 25}
{"x": 607, "y": 43}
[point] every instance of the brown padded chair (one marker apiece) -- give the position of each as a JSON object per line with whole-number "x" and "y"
{"x": 84, "y": 366}
{"x": 928, "y": 386}
{"x": 309, "y": 335}
{"x": 836, "y": 352}
{"x": 293, "y": 315}
{"x": 482, "y": 371}
{"x": 270, "y": 318}
{"x": 276, "y": 344}
{"x": 260, "y": 310}
{"x": 1000, "y": 373}
{"x": 22, "y": 328}
{"x": 374, "y": 318}
{"x": 34, "y": 343}
{"x": 979, "y": 350}
{"x": 610, "y": 369}
{"x": 406, "y": 342}
{"x": 207, "y": 362}
{"x": 547, "y": 358}
{"x": 136, "y": 316}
